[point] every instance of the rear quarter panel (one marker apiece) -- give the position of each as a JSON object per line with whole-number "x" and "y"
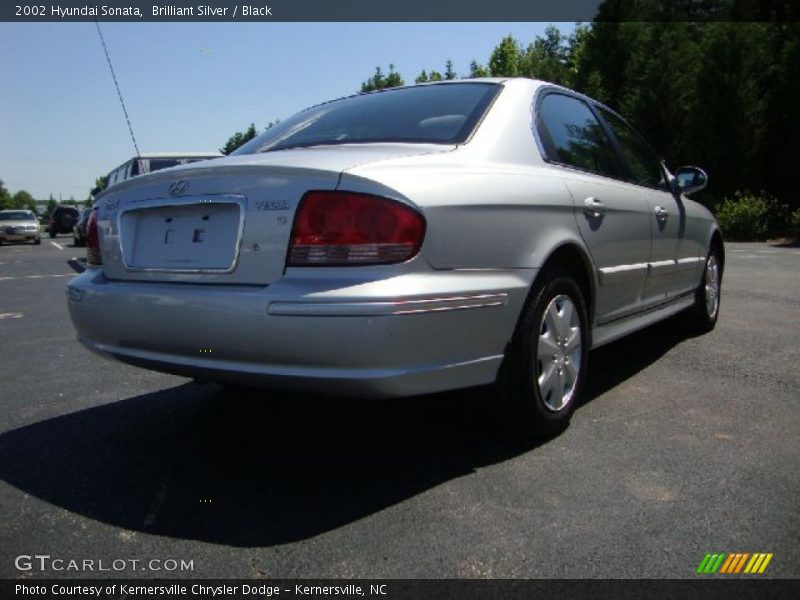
{"x": 479, "y": 216}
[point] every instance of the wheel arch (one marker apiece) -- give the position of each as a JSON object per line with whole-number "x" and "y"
{"x": 717, "y": 243}
{"x": 574, "y": 259}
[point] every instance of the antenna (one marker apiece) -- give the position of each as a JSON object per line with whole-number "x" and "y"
{"x": 119, "y": 93}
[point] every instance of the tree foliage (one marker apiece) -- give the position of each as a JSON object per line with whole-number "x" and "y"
{"x": 381, "y": 81}
{"x": 506, "y": 58}
{"x": 23, "y": 199}
{"x": 100, "y": 183}
{"x": 714, "y": 93}
{"x": 239, "y": 138}
{"x": 242, "y": 137}
{"x": 477, "y": 70}
{"x": 20, "y": 199}
{"x": 5, "y": 197}
{"x": 449, "y": 73}
{"x": 719, "y": 95}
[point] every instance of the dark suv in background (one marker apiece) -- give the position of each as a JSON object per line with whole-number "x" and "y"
{"x": 79, "y": 231}
{"x": 62, "y": 220}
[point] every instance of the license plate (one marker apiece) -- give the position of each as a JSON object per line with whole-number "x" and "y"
{"x": 191, "y": 237}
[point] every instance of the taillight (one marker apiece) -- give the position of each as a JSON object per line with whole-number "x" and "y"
{"x": 93, "y": 256}
{"x": 348, "y": 228}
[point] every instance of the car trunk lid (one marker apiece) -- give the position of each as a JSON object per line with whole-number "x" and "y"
{"x": 225, "y": 220}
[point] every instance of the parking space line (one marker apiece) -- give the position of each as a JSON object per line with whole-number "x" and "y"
{"x": 57, "y": 245}
{"x": 11, "y": 316}
{"x": 37, "y": 276}
{"x": 150, "y": 518}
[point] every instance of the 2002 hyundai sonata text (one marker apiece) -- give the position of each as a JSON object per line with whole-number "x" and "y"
{"x": 401, "y": 242}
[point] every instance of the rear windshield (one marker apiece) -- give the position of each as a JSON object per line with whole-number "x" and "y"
{"x": 17, "y": 215}
{"x": 437, "y": 114}
{"x": 156, "y": 164}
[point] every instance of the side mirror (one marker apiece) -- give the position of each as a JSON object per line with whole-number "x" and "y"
{"x": 689, "y": 180}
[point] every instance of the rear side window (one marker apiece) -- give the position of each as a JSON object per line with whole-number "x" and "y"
{"x": 643, "y": 164}
{"x": 571, "y": 135}
{"x": 438, "y": 114}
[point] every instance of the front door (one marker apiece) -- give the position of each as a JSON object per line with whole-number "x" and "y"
{"x": 672, "y": 265}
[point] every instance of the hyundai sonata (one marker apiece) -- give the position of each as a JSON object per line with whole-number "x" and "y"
{"x": 401, "y": 242}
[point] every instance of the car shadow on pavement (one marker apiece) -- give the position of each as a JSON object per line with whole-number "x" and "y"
{"x": 257, "y": 468}
{"x": 618, "y": 361}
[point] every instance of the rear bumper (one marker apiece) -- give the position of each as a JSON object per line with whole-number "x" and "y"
{"x": 399, "y": 336}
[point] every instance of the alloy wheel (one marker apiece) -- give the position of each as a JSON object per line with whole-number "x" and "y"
{"x": 559, "y": 353}
{"x": 712, "y": 286}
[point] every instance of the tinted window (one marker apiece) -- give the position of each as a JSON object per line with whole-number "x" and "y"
{"x": 442, "y": 114}
{"x": 156, "y": 164}
{"x": 572, "y": 135}
{"x": 643, "y": 164}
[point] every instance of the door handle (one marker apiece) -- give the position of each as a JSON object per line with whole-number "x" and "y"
{"x": 661, "y": 213}
{"x": 593, "y": 207}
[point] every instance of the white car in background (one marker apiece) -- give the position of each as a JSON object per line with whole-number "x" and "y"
{"x": 151, "y": 162}
{"x": 19, "y": 226}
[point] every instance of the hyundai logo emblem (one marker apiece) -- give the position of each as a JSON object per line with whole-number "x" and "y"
{"x": 179, "y": 187}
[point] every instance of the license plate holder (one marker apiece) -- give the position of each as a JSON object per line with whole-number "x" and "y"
{"x": 192, "y": 237}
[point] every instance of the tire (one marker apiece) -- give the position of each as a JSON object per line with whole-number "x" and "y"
{"x": 52, "y": 233}
{"x": 37, "y": 241}
{"x": 703, "y": 314}
{"x": 534, "y": 404}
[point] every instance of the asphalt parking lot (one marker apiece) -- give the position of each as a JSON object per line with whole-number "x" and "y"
{"x": 686, "y": 445}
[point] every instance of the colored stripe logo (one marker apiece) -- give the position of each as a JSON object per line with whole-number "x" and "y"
{"x": 733, "y": 563}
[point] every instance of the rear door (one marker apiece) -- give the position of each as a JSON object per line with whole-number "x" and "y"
{"x": 612, "y": 215}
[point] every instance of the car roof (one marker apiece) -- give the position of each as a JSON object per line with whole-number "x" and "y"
{"x": 178, "y": 154}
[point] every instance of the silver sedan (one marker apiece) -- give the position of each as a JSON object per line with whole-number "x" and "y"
{"x": 19, "y": 226}
{"x": 402, "y": 242}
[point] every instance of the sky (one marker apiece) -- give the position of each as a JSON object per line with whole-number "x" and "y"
{"x": 190, "y": 86}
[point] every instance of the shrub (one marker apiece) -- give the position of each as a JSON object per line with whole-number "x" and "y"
{"x": 795, "y": 223}
{"x": 748, "y": 217}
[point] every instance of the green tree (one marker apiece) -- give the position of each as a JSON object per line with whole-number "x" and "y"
{"x": 477, "y": 70}
{"x": 5, "y": 197}
{"x": 239, "y": 138}
{"x": 379, "y": 81}
{"x": 449, "y": 73}
{"x": 506, "y": 58}
{"x": 23, "y": 199}
{"x": 546, "y": 58}
{"x": 100, "y": 183}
